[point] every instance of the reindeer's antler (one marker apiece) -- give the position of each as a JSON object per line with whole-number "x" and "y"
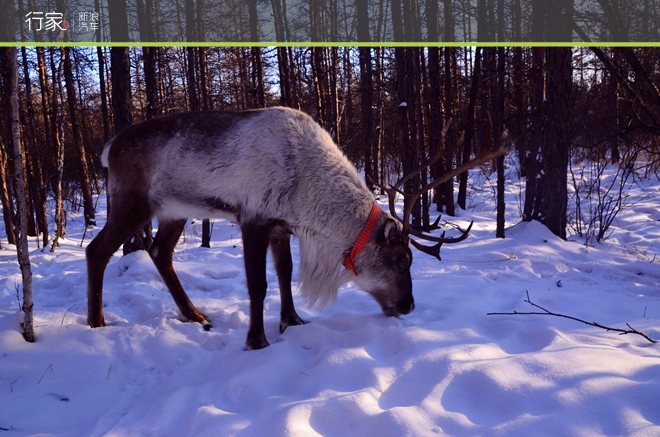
{"x": 486, "y": 154}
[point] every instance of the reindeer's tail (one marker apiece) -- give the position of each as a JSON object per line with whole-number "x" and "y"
{"x": 106, "y": 151}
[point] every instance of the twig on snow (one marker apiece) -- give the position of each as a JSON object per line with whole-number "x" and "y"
{"x": 67, "y": 311}
{"x": 550, "y": 313}
{"x": 50, "y": 367}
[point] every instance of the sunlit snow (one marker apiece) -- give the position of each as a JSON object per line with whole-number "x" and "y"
{"x": 445, "y": 369}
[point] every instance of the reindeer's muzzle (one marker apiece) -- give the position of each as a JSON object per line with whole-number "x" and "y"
{"x": 401, "y": 308}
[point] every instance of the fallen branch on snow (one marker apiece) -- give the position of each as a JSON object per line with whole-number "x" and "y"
{"x": 549, "y": 313}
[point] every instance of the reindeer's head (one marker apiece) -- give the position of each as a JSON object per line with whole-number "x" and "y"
{"x": 385, "y": 273}
{"x": 384, "y": 268}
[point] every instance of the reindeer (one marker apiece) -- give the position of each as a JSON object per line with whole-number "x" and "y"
{"x": 274, "y": 172}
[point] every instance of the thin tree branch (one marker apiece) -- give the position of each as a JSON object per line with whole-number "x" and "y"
{"x": 550, "y": 313}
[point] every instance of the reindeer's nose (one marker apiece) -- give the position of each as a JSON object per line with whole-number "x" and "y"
{"x": 401, "y": 308}
{"x": 406, "y": 307}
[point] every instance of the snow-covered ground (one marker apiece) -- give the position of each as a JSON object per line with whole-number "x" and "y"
{"x": 448, "y": 368}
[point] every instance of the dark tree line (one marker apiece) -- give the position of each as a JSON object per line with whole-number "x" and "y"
{"x": 331, "y": 20}
{"x": 385, "y": 107}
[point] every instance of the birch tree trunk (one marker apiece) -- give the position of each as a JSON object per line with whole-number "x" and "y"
{"x": 19, "y": 186}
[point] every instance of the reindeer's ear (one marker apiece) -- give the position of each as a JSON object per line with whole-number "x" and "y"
{"x": 391, "y": 233}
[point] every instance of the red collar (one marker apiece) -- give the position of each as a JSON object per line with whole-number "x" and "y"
{"x": 363, "y": 238}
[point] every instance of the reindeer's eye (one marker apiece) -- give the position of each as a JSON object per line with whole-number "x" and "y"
{"x": 404, "y": 261}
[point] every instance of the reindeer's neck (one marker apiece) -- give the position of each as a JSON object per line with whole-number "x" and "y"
{"x": 326, "y": 194}
{"x": 339, "y": 210}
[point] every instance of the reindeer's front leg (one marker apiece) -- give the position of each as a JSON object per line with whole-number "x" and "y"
{"x": 255, "y": 248}
{"x": 280, "y": 246}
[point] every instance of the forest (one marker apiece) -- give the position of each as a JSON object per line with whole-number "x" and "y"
{"x": 560, "y": 107}
{"x": 385, "y": 108}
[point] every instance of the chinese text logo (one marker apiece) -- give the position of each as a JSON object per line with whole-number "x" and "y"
{"x": 49, "y": 21}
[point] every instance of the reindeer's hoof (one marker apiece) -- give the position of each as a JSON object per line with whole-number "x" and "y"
{"x": 290, "y": 320}
{"x": 193, "y": 316}
{"x": 258, "y": 342}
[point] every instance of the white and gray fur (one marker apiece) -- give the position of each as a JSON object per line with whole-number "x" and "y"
{"x": 274, "y": 167}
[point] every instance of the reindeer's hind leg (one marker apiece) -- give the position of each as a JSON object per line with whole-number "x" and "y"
{"x": 124, "y": 218}
{"x": 161, "y": 252}
{"x": 280, "y": 246}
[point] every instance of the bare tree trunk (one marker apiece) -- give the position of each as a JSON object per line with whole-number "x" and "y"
{"x": 57, "y": 119}
{"x": 332, "y": 102}
{"x": 434, "y": 106}
{"x": 121, "y": 87}
{"x": 499, "y": 126}
{"x": 121, "y": 109}
{"x": 10, "y": 55}
{"x": 469, "y": 128}
{"x": 552, "y": 205}
{"x": 366, "y": 90}
{"x": 102, "y": 85}
{"x": 285, "y": 81}
{"x": 104, "y": 99}
{"x": 446, "y": 190}
{"x": 190, "y": 56}
{"x": 286, "y": 97}
{"x": 498, "y": 97}
{"x": 144, "y": 12}
{"x": 259, "y": 97}
{"x": 150, "y": 82}
{"x": 36, "y": 172}
{"x": 143, "y": 238}
{"x": 319, "y": 84}
{"x": 380, "y": 130}
{"x": 5, "y": 191}
{"x": 535, "y": 136}
{"x": 85, "y": 178}
{"x": 203, "y": 79}
{"x": 518, "y": 125}
{"x": 201, "y": 55}
{"x": 120, "y": 73}
{"x": 402, "y": 61}
{"x": 546, "y": 187}
{"x": 120, "y": 79}
{"x": 413, "y": 82}
{"x": 207, "y": 225}
{"x": 193, "y": 96}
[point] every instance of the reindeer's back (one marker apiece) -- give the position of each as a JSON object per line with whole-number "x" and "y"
{"x": 273, "y": 162}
